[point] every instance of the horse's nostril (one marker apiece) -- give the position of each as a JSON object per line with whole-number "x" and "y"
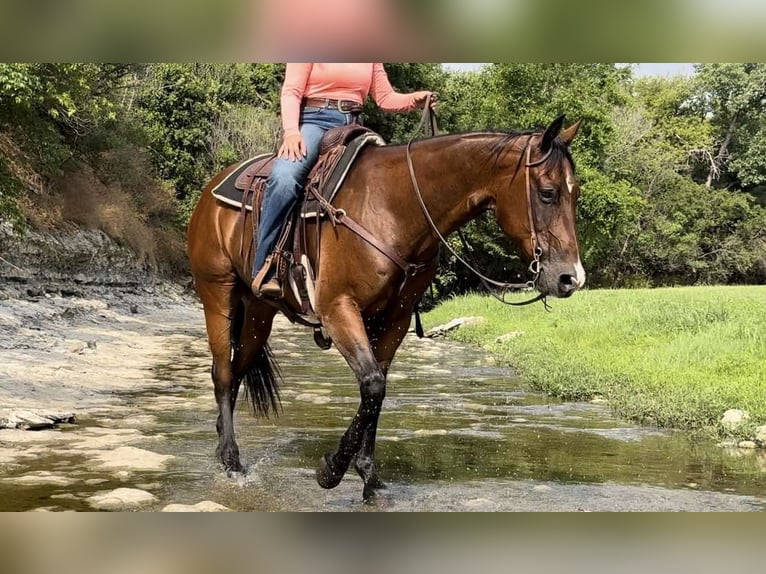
{"x": 567, "y": 285}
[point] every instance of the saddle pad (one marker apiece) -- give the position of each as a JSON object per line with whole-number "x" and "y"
{"x": 226, "y": 192}
{"x": 310, "y": 207}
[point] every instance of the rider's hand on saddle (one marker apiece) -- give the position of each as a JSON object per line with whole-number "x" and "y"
{"x": 293, "y": 148}
{"x": 421, "y": 97}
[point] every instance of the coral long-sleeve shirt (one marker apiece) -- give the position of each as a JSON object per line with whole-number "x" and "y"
{"x": 338, "y": 82}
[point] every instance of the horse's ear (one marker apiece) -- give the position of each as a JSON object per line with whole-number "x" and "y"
{"x": 551, "y": 133}
{"x": 568, "y": 134}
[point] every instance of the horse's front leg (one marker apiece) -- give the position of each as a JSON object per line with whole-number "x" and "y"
{"x": 345, "y": 326}
{"x": 385, "y": 343}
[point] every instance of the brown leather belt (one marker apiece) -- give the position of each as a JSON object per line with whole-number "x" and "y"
{"x": 343, "y": 106}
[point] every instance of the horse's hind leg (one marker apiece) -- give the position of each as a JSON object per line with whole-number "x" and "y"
{"x": 220, "y": 300}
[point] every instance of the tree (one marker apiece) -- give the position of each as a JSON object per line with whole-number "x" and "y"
{"x": 733, "y": 98}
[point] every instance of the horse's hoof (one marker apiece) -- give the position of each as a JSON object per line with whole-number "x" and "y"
{"x": 233, "y": 468}
{"x": 230, "y": 459}
{"x": 371, "y": 487}
{"x": 327, "y": 476}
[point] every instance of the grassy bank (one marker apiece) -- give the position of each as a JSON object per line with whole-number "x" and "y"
{"x": 671, "y": 357}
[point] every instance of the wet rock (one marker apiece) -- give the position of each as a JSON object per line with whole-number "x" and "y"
{"x": 132, "y": 458}
{"x": 733, "y": 419}
{"x": 729, "y": 443}
{"x": 76, "y": 347}
{"x": 760, "y": 435}
{"x": 478, "y": 503}
{"x": 121, "y": 499}
{"x": 509, "y": 336}
{"x": 747, "y": 444}
{"x": 65, "y": 496}
{"x": 96, "y": 439}
{"x": 32, "y": 420}
{"x": 204, "y": 506}
{"x": 40, "y": 478}
{"x": 441, "y": 330}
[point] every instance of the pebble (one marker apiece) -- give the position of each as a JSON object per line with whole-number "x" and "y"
{"x": 204, "y": 506}
{"x": 732, "y": 419}
{"x": 40, "y": 478}
{"x": 477, "y": 503}
{"x": 132, "y": 458}
{"x": 121, "y": 499}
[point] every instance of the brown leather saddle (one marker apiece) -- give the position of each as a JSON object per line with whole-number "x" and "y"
{"x": 332, "y": 140}
{"x": 337, "y": 151}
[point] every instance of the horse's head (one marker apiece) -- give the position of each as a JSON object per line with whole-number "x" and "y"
{"x": 543, "y": 193}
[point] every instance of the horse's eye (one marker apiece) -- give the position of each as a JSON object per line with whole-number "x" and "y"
{"x": 547, "y": 195}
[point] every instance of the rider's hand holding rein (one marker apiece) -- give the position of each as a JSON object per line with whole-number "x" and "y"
{"x": 422, "y": 97}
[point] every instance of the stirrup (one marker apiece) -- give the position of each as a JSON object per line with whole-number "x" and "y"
{"x": 271, "y": 289}
{"x": 255, "y": 284}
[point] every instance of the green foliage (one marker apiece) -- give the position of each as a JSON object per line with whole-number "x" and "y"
{"x": 524, "y": 96}
{"x": 732, "y": 97}
{"x": 10, "y": 190}
{"x": 609, "y": 214}
{"x": 47, "y": 108}
{"x": 180, "y": 106}
{"x": 692, "y": 234}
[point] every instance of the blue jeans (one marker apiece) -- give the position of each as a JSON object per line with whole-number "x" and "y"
{"x": 285, "y": 184}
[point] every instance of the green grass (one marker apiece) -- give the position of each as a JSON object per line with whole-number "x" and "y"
{"x": 674, "y": 357}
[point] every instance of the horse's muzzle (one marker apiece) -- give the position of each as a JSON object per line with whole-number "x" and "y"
{"x": 561, "y": 280}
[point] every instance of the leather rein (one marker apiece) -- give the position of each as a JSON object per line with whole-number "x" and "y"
{"x": 489, "y": 284}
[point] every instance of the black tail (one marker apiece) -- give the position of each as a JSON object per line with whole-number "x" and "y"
{"x": 262, "y": 384}
{"x": 262, "y": 377}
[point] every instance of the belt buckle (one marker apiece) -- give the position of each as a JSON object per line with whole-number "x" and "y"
{"x": 341, "y": 108}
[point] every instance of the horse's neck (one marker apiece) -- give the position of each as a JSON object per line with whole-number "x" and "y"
{"x": 455, "y": 178}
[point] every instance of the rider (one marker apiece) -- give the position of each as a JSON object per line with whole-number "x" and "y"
{"x": 315, "y": 98}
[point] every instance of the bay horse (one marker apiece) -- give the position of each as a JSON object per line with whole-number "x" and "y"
{"x": 363, "y": 299}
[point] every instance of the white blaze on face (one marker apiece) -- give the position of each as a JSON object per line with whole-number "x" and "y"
{"x": 579, "y": 274}
{"x": 570, "y": 181}
{"x": 579, "y": 270}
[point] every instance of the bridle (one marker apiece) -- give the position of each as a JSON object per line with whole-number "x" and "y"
{"x": 491, "y": 285}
